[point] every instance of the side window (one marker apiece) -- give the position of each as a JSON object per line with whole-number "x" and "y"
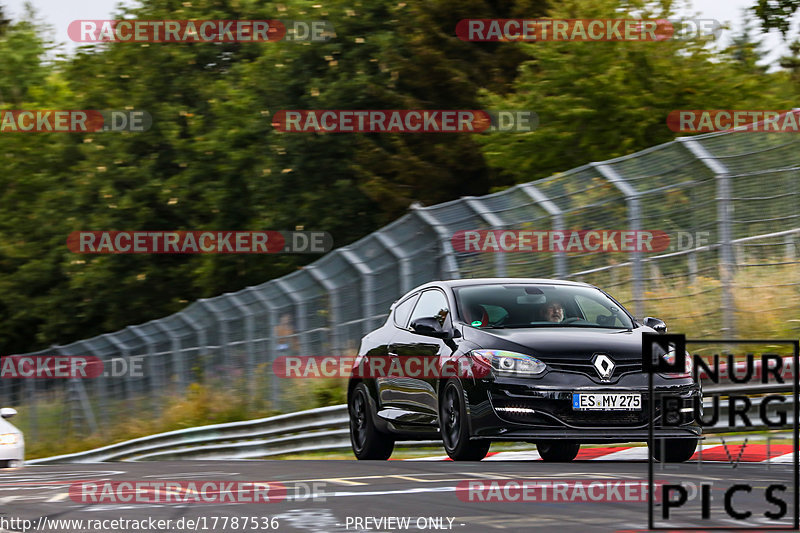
{"x": 596, "y": 312}
{"x": 431, "y": 303}
{"x": 402, "y": 310}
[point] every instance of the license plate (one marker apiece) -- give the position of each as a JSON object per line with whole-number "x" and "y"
{"x": 606, "y": 401}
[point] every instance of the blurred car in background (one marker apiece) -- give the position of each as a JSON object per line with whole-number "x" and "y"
{"x": 12, "y": 444}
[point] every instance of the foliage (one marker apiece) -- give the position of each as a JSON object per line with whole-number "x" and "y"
{"x": 212, "y": 160}
{"x": 776, "y": 14}
{"x": 599, "y": 100}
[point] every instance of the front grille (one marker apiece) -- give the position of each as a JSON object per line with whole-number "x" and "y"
{"x": 602, "y": 418}
{"x": 584, "y": 366}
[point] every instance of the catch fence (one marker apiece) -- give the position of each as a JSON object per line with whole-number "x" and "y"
{"x": 736, "y": 192}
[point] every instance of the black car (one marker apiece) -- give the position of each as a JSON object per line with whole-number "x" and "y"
{"x": 550, "y": 362}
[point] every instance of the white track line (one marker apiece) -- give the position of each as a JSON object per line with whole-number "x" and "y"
{"x": 785, "y": 458}
{"x": 634, "y": 453}
{"x": 515, "y": 456}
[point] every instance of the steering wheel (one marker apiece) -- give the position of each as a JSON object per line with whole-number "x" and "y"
{"x": 571, "y": 320}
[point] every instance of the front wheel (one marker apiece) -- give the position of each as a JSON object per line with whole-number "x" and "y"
{"x": 558, "y": 451}
{"x": 367, "y": 441}
{"x": 454, "y": 426}
{"x": 674, "y": 450}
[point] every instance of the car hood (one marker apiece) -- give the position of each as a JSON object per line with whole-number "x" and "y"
{"x": 561, "y": 342}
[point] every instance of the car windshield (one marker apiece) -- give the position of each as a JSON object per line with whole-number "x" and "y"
{"x": 538, "y": 305}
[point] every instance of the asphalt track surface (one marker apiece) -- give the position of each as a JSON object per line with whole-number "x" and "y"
{"x": 426, "y": 492}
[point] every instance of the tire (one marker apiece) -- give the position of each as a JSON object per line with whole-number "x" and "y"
{"x": 558, "y": 451}
{"x": 676, "y": 450}
{"x": 454, "y": 426}
{"x": 367, "y": 441}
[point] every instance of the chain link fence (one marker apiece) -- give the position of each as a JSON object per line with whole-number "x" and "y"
{"x": 741, "y": 190}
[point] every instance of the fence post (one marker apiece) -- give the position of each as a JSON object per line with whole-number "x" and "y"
{"x": 29, "y": 387}
{"x": 274, "y": 381}
{"x": 177, "y": 357}
{"x": 494, "y": 222}
{"x": 634, "y": 220}
{"x": 76, "y": 393}
{"x": 367, "y": 287}
{"x": 558, "y": 223}
{"x": 155, "y": 379}
{"x": 250, "y": 367}
{"x": 299, "y": 314}
{"x": 333, "y": 306}
{"x": 724, "y": 216}
{"x": 788, "y": 241}
{"x": 126, "y": 380}
{"x": 404, "y": 263}
{"x": 202, "y": 338}
{"x": 449, "y": 268}
{"x": 691, "y": 264}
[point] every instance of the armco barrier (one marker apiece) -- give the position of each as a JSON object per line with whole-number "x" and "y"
{"x": 321, "y": 429}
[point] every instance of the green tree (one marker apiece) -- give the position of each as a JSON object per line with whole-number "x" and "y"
{"x": 776, "y": 14}
{"x": 599, "y": 100}
{"x": 212, "y": 160}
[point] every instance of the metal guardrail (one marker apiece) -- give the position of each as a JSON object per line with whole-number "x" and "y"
{"x": 320, "y": 429}
{"x": 301, "y": 425}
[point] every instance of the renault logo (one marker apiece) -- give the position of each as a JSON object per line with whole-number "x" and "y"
{"x": 604, "y": 366}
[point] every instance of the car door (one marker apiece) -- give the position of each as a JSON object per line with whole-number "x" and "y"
{"x": 416, "y": 394}
{"x": 389, "y": 404}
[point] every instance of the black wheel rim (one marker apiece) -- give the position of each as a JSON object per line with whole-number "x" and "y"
{"x": 358, "y": 420}
{"x": 452, "y": 417}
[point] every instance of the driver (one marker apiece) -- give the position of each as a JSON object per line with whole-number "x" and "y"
{"x": 553, "y": 311}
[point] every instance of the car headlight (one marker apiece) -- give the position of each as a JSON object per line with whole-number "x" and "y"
{"x": 510, "y": 363}
{"x": 9, "y": 438}
{"x": 669, "y": 357}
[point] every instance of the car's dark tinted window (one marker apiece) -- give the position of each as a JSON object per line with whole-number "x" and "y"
{"x": 431, "y": 303}
{"x": 402, "y": 310}
{"x": 525, "y": 305}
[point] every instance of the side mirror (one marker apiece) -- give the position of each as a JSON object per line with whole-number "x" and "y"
{"x": 7, "y": 412}
{"x": 655, "y": 323}
{"x": 428, "y": 326}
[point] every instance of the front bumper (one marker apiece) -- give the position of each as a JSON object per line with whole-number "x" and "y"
{"x": 525, "y": 409}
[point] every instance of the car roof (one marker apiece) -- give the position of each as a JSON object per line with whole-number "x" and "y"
{"x": 499, "y": 281}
